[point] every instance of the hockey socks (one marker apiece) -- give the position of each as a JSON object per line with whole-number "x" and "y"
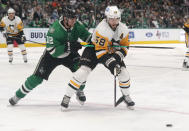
{"x": 29, "y": 84}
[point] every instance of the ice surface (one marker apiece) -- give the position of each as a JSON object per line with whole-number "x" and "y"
{"x": 158, "y": 86}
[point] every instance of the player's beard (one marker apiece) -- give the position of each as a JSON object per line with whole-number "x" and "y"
{"x": 114, "y": 26}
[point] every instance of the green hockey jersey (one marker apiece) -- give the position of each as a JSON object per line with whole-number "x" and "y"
{"x": 58, "y": 36}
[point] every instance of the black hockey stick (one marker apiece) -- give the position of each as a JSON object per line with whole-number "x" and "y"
{"x": 153, "y": 47}
{"x": 111, "y": 46}
{"x": 115, "y": 88}
{"x": 36, "y": 42}
{"x": 120, "y": 100}
{"x": 27, "y": 40}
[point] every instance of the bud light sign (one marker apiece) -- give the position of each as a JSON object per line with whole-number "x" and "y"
{"x": 36, "y": 35}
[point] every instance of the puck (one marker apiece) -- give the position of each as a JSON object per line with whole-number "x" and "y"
{"x": 169, "y": 125}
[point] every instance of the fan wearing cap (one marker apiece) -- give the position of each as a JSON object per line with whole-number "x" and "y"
{"x": 12, "y": 28}
{"x": 61, "y": 49}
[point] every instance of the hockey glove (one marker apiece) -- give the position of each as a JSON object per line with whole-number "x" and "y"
{"x": 1, "y": 29}
{"x": 5, "y": 35}
{"x": 23, "y": 38}
{"x": 186, "y": 29}
{"x": 72, "y": 47}
{"x": 111, "y": 63}
{"x": 117, "y": 70}
{"x": 119, "y": 55}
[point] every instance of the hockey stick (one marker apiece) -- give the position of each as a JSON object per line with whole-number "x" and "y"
{"x": 121, "y": 99}
{"x": 27, "y": 40}
{"x": 35, "y": 42}
{"x": 153, "y": 47}
{"x": 115, "y": 88}
{"x": 93, "y": 45}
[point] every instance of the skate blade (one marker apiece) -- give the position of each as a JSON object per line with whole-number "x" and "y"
{"x": 131, "y": 107}
{"x": 185, "y": 69}
{"x": 63, "y": 109}
{"x": 80, "y": 102}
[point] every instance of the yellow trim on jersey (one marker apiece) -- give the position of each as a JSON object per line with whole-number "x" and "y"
{"x": 73, "y": 83}
{"x": 186, "y": 25}
{"x": 20, "y": 26}
{"x": 125, "y": 41}
{"x": 186, "y": 40}
{"x": 125, "y": 50}
{"x": 2, "y": 24}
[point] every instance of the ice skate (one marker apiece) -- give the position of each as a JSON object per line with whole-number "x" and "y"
{"x": 80, "y": 96}
{"x": 10, "y": 59}
{"x": 25, "y": 60}
{"x": 14, "y": 100}
{"x": 185, "y": 65}
{"x": 65, "y": 103}
{"x": 129, "y": 102}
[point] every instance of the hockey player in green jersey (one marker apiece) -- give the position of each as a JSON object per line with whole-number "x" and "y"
{"x": 61, "y": 49}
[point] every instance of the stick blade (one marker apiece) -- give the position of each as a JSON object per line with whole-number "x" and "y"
{"x": 120, "y": 100}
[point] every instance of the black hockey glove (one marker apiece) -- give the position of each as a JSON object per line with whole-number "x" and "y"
{"x": 1, "y": 29}
{"x": 5, "y": 35}
{"x": 111, "y": 63}
{"x": 119, "y": 55}
{"x": 117, "y": 70}
{"x": 23, "y": 38}
{"x": 72, "y": 47}
{"x": 186, "y": 29}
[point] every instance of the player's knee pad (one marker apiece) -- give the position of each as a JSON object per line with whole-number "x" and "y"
{"x": 33, "y": 81}
{"x": 124, "y": 75}
{"x": 82, "y": 73}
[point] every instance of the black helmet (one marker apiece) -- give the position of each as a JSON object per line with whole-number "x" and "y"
{"x": 69, "y": 12}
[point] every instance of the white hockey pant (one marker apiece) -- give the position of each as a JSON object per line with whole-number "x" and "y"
{"x": 80, "y": 76}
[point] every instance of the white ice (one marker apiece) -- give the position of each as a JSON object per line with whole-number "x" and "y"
{"x": 158, "y": 86}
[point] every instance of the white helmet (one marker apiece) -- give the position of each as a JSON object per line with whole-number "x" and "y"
{"x": 112, "y": 12}
{"x": 11, "y": 10}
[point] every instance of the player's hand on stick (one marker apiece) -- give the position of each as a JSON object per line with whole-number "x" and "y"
{"x": 23, "y": 38}
{"x": 117, "y": 70}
